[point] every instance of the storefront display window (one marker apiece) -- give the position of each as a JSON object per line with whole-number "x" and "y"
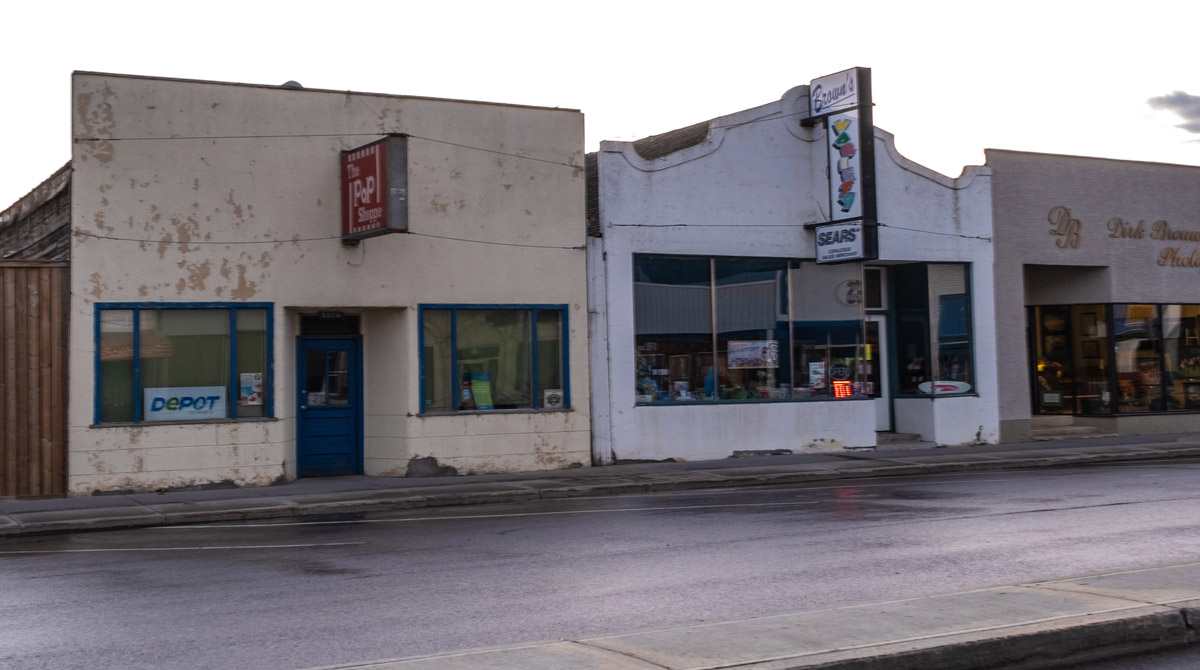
{"x": 1153, "y": 355}
{"x": 933, "y": 328}
{"x": 750, "y": 294}
{"x": 1181, "y": 349}
{"x": 182, "y": 363}
{"x": 740, "y": 329}
{"x": 673, "y": 318}
{"x": 481, "y": 358}
{"x": 1137, "y": 344}
{"x": 1071, "y": 344}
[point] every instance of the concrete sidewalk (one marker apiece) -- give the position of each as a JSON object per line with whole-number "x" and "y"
{"x": 1034, "y": 626}
{"x": 339, "y": 495}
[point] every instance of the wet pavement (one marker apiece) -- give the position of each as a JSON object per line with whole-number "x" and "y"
{"x": 333, "y": 495}
{"x": 1028, "y": 624}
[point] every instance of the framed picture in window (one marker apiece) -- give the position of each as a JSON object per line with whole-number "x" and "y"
{"x": 1055, "y": 345}
{"x": 1087, "y": 324}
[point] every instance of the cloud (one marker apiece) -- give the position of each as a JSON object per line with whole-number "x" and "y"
{"x": 1185, "y": 105}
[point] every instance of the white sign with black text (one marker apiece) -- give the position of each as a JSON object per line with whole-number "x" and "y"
{"x": 835, "y": 92}
{"x": 839, "y": 242}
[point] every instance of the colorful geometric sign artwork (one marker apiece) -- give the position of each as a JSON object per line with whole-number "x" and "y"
{"x": 843, "y": 163}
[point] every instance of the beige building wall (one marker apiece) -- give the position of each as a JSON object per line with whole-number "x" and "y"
{"x": 1082, "y": 257}
{"x": 191, "y": 191}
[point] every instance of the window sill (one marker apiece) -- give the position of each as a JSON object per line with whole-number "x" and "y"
{"x": 485, "y": 412}
{"x": 143, "y": 424}
{"x": 743, "y": 401}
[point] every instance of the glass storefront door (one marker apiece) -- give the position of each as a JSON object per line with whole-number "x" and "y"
{"x": 1071, "y": 346}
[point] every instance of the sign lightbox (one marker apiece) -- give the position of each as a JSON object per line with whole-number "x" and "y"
{"x": 843, "y": 242}
{"x": 843, "y": 102}
{"x": 375, "y": 189}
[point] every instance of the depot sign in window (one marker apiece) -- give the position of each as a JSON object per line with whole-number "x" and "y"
{"x": 184, "y": 403}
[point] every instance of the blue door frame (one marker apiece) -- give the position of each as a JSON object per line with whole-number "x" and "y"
{"x": 329, "y": 406}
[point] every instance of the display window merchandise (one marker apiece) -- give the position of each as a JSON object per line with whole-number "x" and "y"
{"x": 486, "y": 358}
{"x": 182, "y": 362}
{"x": 744, "y": 329}
{"x": 1099, "y": 359}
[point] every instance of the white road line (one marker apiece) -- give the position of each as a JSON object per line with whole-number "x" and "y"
{"x": 488, "y": 516}
{"x": 201, "y": 548}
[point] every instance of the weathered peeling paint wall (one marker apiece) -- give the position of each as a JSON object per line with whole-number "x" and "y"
{"x": 746, "y": 191}
{"x": 190, "y": 191}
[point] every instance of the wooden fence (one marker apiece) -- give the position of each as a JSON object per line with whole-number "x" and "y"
{"x": 34, "y": 302}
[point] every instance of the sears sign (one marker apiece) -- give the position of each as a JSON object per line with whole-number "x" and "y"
{"x": 841, "y": 242}
{"x": 184, "y": 403}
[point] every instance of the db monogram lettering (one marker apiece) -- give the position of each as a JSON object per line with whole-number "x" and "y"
{"x": 1066, "y": 228}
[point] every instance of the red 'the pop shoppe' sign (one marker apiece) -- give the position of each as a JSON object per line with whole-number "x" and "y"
{"x": 374, "y": 189}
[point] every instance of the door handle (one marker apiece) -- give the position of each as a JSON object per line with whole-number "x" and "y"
{"x": 304, "y": 407}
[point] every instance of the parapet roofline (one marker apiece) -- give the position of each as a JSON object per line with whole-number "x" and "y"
{"x": 1042, "y": 154}
{"x": 281, "y": 87}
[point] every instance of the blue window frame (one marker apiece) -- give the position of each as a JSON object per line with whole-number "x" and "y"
{"x": 494, "y": 357}
{"x": 183, "y": 362}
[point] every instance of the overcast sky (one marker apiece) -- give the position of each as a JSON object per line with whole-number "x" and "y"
{"x": 1116, "y": 80}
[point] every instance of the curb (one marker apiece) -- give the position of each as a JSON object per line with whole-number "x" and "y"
{"x": 382, "y": 500}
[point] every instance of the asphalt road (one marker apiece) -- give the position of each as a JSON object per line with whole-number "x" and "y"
{"x": 319, "y": 592}
{"x": 1173, "y": 659}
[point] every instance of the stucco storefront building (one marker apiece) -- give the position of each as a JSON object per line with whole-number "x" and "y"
{"x": 222, "y": 330}
{"x": 1098, "y": 294}
{"x": 716, "y": 331}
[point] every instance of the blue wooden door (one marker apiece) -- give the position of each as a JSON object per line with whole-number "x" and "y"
{"x": 329, "y": 415}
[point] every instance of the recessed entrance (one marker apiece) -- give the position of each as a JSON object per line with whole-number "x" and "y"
{"x": 329, "y": 414}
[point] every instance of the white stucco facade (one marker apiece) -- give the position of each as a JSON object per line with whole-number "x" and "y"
{"x": 746, "y": 190}
{"x": 211, "y": 193}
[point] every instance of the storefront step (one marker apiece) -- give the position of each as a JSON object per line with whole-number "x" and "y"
{"x": 900, "y": 441}
{"x": 1059, "y": 432}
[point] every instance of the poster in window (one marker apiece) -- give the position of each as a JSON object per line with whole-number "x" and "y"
{"x": 816, "y": 374}
{"x": 250, "y": 390}
{"x": 184, "y": 403}
{"x": 753, "y": 354}
{"x": 952, "y": 318}
{"x": 481, "y": 389}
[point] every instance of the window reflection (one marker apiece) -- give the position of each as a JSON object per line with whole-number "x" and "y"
{"x": 737, "y": 329}
{"x": 933, "y": 328}
{"x": 672, "y": 298}
{"x": 1148, "y": 362}
{"x": 1138, "y": 358}
{"x": 1181, "y": 349}
{"x": 750, "y": 296}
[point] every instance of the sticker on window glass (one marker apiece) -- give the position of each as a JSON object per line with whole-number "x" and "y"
{"x": 184, "y": 403}
{"x": 250, "y": 388}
